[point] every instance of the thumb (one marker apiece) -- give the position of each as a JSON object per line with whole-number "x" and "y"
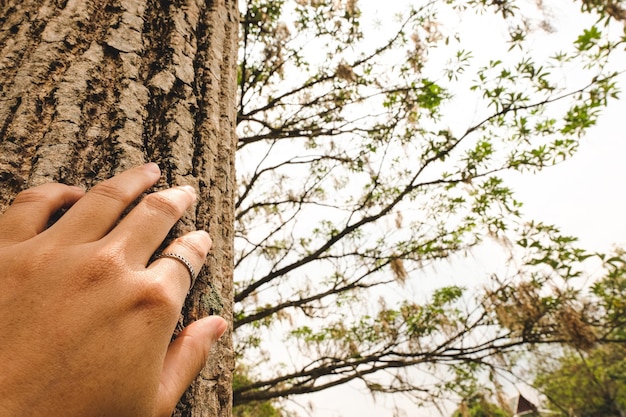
{"x": 185, "y": 358}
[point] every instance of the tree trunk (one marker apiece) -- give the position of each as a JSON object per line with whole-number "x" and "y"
{"x": 90, "y": 88}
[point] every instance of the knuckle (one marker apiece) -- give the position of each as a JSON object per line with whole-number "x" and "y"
{"x": 104, "y": 264}
{"x": 26, "y": 271}
{"x": 112, "y": 192}
{"x": 163, "y": 205}
{"x": 32, "y": 195}
{"x": 194, "y": 247}
{"x": 156, "y": 293}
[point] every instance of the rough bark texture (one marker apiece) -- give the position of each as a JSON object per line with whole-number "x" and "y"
{"x": 90, "y": 88}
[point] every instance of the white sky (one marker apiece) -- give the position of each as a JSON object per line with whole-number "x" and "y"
{"x": 584, "y": 196}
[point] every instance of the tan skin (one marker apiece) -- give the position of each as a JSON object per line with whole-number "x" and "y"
{"x": 85, "y": 325}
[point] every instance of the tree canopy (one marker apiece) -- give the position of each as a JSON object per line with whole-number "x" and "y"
{"x": 362, "y": 173}
{"x": 591, "y": 384}
{"x": 479, "y": 406}
{"x": 591, "y": 381}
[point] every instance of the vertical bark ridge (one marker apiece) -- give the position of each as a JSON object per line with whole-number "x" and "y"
{"x": 213, "y": 164}
{"x": 125, "y": 42}
{"x": 169, "y": 134}
{"x": 39, "y": 42}
{"x": 226, "y": 177}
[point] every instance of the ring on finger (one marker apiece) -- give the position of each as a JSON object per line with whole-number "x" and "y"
{"x": 185, "y": 262}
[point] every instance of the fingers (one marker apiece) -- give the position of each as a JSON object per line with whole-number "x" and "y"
{"x": 185, "y": 358}
{"x": 145, "y": 227}
{"x": 99, "y": 210}
{"x": 31, "y": 210}
{"x": 191, "y": 248}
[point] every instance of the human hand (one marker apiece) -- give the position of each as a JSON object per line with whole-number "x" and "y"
{"x": 85, "y": 325}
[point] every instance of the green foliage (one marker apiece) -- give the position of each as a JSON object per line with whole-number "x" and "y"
{"x": 261, "y": 409}
{"x": 589, "y": 379}
{"x": 410, "y": 322}
{"x": 591, "y": 384}
{"x": 253, "y": 409}
{"x": 478, "y": 406}
{"x": 611, "y": 295}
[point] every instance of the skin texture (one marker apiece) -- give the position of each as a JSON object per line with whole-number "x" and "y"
{"x": 86, "y": 325}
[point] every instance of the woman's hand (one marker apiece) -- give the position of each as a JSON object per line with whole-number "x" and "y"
{"x": 85, "y": 325}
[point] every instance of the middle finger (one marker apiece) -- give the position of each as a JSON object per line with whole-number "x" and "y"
{"x": 147, "y": 225}
{"x": 93, "y": 216}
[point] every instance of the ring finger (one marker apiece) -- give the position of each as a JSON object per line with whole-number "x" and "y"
{"x": 183, "y": 259}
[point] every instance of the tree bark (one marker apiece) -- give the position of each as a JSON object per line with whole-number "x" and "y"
{"x": 91, "y": 88}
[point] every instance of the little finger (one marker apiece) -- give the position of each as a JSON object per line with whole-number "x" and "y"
{"x": 185, "y": 358}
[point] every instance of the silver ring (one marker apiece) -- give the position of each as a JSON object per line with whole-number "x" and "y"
{"x": 185, "y": 262}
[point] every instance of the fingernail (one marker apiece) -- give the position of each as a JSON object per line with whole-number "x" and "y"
{"x": 219, "y": 328}
{"x": 202, "y": 234}
{"x": 152, "y": 167}
{"x": 189, "y": 190}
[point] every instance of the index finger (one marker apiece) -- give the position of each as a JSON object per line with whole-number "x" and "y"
{"x": 31, "y": 210}
{"x": 94, "y": 215}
